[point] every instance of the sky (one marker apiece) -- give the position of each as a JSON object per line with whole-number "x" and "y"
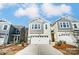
{"x": 21, "y": 13}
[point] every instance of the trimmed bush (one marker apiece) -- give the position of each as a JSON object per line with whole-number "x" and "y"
{"x": 59, "y": 43}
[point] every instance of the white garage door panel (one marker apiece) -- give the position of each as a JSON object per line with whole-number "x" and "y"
{"x": 1, "y": 41}
{"x": 39, "y": 41}
{"x": 34, "y": 41}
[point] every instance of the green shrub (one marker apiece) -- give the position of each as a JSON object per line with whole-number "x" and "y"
{"x": 64, "y": 42}
{"x": 59, "y": 43}
{"x": 17, "y": 43}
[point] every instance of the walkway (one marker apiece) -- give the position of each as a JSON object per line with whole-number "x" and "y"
{"x": 40, "y": 49}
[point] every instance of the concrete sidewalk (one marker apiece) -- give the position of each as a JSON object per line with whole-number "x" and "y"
{"x": 41, "y": 49}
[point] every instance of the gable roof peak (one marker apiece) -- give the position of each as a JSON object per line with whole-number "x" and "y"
{"x": 38, "y": 19}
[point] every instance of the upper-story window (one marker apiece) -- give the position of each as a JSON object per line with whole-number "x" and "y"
{"x": 35, "y": 26}
{"x": 46, "y": 26}
{"x": 75, "y": 26}
{"x": 5, "y": 27}
{"x": 64, "y": 25}
{"x": 39, "y": 26}
{"x": 67, "y": 24}
{"x": 17, "y": 31}
{"x": 61, "y": 24}
{"x": 32, "y": 26}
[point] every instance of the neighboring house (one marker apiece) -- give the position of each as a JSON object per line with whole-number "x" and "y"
{"x": 75, "y": 26}
{"x": 17, "y": 34}
{"x": 12, "y": 34}
{"x": 39, "y": 31}
{"x": 66, "y": 29}
{"x": 4, "y": 31}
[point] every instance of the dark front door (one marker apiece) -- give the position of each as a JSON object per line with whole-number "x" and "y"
{"x": 52, "y": 35}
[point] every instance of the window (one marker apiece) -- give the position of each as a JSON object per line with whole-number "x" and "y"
{"x": 38, "y": 26}
{"x": 46, "y": 26}
{"x": 67, "y": 24}
{"x": 17, "y": 31}
{"x": 5, "y": 27}
{"x": 61, "y": 24}
{"x": 32, "y": 26}
{"x": 75, "y": 26}
{"x": 35, "y": 26}
{"x": 64, "y": 24}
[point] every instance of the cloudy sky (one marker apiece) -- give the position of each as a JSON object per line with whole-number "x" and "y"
{"x": 21, "y": 13}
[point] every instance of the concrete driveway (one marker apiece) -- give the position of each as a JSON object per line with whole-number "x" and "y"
{"x": 41, "y": 49}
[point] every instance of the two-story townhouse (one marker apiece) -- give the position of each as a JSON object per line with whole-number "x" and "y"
{"x": 10, "y": 33}
{"x": 4, "y": 31}
{"x": 39, "y": 31}
{"x": 75, "y": 26}
{"x": 62, "y": 30}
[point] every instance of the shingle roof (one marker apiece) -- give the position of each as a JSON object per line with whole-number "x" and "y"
{"x": 18, "y": 26}
{"x": 67, "y": 17}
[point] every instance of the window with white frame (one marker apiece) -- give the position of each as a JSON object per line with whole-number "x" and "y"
{"x": 67, "y": 24}
{"x": 39, "y": 26}
{"x": 32, "y": 26}
{"x": 36, "y": 26}
{"x": 61, "y": 25}
{"x": 5, "y": 27}
{"x": 64, "y": 25}
{"x": 75, "y": 26}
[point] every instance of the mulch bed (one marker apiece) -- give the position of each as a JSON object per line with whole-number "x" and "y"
{"x": 63, "y": 46}
{"x": 67, "y": 49}
{"x": 11, "y": 49}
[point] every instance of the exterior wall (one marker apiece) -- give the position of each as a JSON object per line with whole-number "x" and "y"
{"x": 16, "y": 37}
{"x": 22, "y": 34}
{"x": 55, "y": 30}
{"x": 77, "y": 23}
{"x": 39, "y": 36}
{"x": 4, "y": 33}
{"x": 76, "y": 31}
{"x": 11, "y": 37}
{"x": 66, "y": 34}
{"x": 26, "y": 35}
{"x": 47, "y": 31}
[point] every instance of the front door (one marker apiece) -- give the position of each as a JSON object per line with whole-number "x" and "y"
{"x": 52, "y": 35}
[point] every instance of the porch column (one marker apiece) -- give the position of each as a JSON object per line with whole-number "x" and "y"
{"x": 17, "y": 39}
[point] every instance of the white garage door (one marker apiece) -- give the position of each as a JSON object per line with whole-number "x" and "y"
{"x": 39, "y": 41}
{"x": 1, "y": 41}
